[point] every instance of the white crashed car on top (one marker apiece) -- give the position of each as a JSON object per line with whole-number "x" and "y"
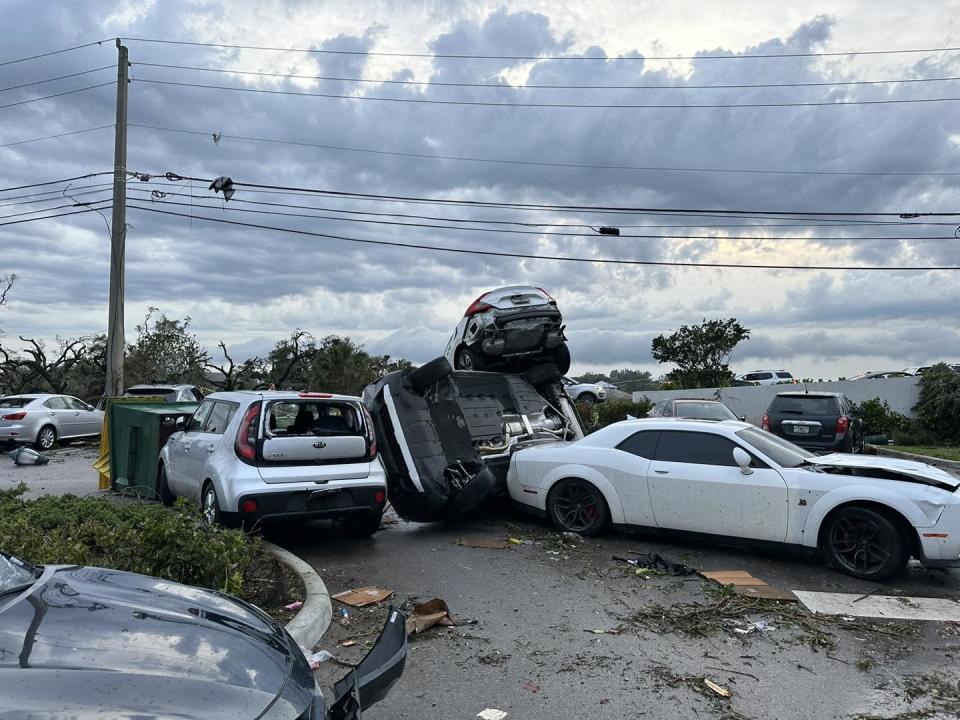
{"x": 510, "y": 329}
{"x": 867, "y": 515}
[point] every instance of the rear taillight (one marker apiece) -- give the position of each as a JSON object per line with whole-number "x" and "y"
{"x": 477, "y": 306}
{"x": 246, "y": 445}
{"x": 14, "y": 416}
{"x": 249, "y": 506}
{"x": 765, "y": 422}
{"x": 843, "y": 424}
{"x": 371, "y": 434}
{"x": 379, "y": 497}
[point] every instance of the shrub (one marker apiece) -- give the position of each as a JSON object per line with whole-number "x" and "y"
{"x": 938, "y": 409}
{"x": 171, "y": 543}
{"x": 879, "y": 419}
{"x": 611, "y": 411}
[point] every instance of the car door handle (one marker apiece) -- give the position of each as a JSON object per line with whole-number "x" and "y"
{"x": 662, "y": 472}
{"x": 185, "y": 446}
{"x": 211, "y": 448}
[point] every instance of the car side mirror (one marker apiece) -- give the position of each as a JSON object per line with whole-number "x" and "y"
{"x": 180, "y": 422}
{"x": 742, "y": 458}
{"x": 743, "y": 418}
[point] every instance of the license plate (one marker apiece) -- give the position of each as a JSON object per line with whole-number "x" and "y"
{"x": 801, "y": 430}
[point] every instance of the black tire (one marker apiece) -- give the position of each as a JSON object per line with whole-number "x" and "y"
{"x": 46, "y": 438}
{"x": 163, "y": 489}
{"x": 478, "y": 489}
{"x": 426, "y": 375}
{"x": 587, "y": 398}
{"x": 540, "y": 374}
{"x": 561, "y": 358}
{"x": 469, "y": 359}
{"x": 364, "y": 525}
{"x": 864, "y": 543}
{"x": 576, "y": 505}
{"x": 210, "y": 514}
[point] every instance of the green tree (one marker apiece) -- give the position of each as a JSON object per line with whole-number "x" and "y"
{"x": 230, "y": 375}
{"x": 938, "y": 407}
{"x": 700, "y": 352}
{"x": 165, "y": 351}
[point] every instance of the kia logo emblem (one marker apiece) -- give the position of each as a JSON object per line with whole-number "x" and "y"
{"x": 319, "y": 444}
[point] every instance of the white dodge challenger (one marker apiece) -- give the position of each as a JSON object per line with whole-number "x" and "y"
{"x": 867, "y": 515}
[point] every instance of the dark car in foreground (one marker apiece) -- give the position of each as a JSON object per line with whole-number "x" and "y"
{"x": 693, "y": 409}
{"x": 84, "y": 642}
{"x": 817, "y": 421}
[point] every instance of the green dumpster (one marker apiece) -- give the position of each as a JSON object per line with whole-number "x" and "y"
{"x": 137, "y": 432}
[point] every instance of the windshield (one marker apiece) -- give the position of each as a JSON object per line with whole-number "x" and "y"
{"x": 804, "y": 405}
{"x": 15, "y": 402}
{"x": 14, "y": 573}
{"x": 704, "y": 411}
{"x": 783, "y": 453}
{"x": 311, "y": 417}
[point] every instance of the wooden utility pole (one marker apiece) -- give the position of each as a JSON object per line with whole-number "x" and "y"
{"x": 118, "y": 234}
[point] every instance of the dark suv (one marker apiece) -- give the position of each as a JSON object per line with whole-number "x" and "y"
{"x": 817, "y": 421}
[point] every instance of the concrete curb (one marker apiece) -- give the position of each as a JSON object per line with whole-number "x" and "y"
{"x": 309, "y": 625}
{"x": 928, "y": 459}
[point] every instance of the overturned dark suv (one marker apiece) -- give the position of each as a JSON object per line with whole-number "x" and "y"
{"x": 446, "y": 436}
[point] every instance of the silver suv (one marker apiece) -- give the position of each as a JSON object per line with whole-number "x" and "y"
{"x": 253, "y": 456}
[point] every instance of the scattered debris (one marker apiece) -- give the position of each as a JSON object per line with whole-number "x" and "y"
{"x": 348, "y": 643}
{"x": 746, "y": 584}
{"x": 495, "y": 659}
{"x": 487, "y": 542}
{"x": 318, "y": 658}
{"x": 426, "y": 615}
{"x": 721, "y": 691}
{"x": 364, "y": 596}
{"x": 950, "y": 629}
{"x": 719, "y": 696}
{"x": 571, "y": 537}
{"x": 531, "y": 686}
{"x": 941, "y": 693}
{"x": 344, "y": 617}
{"x": 491, "y": 714}
{"x": 27, "y": 456}
{"x": 656, "y": 561}
{"x": 515, "y": 541}
{"x": 296, "y": 605}
{"x": 880, "y": 606}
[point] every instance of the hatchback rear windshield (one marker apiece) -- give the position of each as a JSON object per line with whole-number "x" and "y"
{"x": 704, "y": 411}
{"x": 805, "y": 405}
{"x": 15, "y": 402}
{"x": 161, "y": 391}
{"x": 287, "y": 418}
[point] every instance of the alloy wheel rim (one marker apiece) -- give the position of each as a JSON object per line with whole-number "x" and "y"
{"x": 46, "y": 438}
{"x": 576, "y": 508}
{"x": 857, "y": 545}
{"x": 209, "y": 507}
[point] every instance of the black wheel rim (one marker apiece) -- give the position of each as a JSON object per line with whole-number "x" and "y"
{"x": 576, "y": 507}
{"x": 857, "y": 544}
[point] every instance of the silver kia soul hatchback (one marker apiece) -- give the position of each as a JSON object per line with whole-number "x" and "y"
{"x": 248, "y": 457}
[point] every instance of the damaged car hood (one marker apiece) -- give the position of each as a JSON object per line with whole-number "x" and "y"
{"x": 917, "y": 471}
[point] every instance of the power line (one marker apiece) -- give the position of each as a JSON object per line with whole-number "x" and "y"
{"x": 534, "y": 163}
{"x": 55, "y": 52}
{"x": 59, "y": 135}
{"x": 56, "y": 182}
{"x": 49, "y": 217}
{"x": 536, "y": 86}
{"x": 641, "y": 58}
{"x": 58, "y": 207}
{"x": 173, "y": 177}
{"x": 55, "y": 192}
{"x": 59, "y": 77}
{"x": 549, "y": 233}
{"x": 59, "y": 94}
{"x": 526, "y": 256}
{"x": 58, "y": 196}
{"x": 554, "y": 105}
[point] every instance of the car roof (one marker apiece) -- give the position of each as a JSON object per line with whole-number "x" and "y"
{"x": 246, "y": 395}
{"x": 672, "y": 423}
{"x": 699, "y": 400}
{"x": 800, "y": 393}
{"x": 32, "y": 396}
{"x": 173, "y": 386}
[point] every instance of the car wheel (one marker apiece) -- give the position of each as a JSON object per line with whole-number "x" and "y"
{"x": 865, "y": 544}
{"x": 46, "y": 438}
{"x": 210, "y": 505}
{"x": 561, "y": 358}
{"x": 426, "y": 375}
{"x": 468, "y": 359}
{"x": 163, "y": 489}
{"x": 587, "y": 399}
{"x": 577, "y": 506}
{"x": 364, "y": 525}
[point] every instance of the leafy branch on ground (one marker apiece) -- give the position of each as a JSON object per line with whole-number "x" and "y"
{"x": 721, "y": 706}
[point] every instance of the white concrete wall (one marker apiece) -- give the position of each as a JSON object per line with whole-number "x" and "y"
{"x": 752, "y": 401}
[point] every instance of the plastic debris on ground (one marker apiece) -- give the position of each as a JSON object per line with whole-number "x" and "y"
{"x": 315, "y": 660}
{"x": 491, "y": 714}
{"x": 27, "y": 456}
{"x": 344, "y": 617}
{"x": 719, "y": 690}
{"x": 656, "y": 561}
{"x": 364, "y": 596}
{"x": 296, "y": 605}
{"x": 425, "y": 615}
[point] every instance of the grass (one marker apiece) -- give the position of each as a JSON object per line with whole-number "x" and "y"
{"x": 945, "y": 453}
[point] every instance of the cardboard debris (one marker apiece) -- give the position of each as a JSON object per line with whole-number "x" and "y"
{"x": 721, "y": 691}
{"x": 491, "y": 714}
{"x": 363, "y": 596}
{"x": 492, "y": 543}
{"x": 746, "y": 584}
{"x": 426, "y": 615}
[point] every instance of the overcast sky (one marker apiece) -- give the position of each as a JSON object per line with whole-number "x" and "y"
{"x": 250, "y": 287}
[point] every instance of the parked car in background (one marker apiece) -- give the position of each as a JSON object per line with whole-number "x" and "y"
{"x": 44, "y": 418}
{"x": 155, "y": 648}
{"x": 251, "y": 456}
{"x": 509, "y": 329}
{"x": 588, "y": 393}
{"x": 818, "y": 421}
{"x": 767, "y": 377}
{"x": 882, "y": 375}
{"x": 867, "y": 515}
{"x": 694, "y": 409}
{"x": 737, "y": 382}
{"x": 170, "y": 393}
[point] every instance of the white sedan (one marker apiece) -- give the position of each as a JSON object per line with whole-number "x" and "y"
{"x": 867, "y": 515}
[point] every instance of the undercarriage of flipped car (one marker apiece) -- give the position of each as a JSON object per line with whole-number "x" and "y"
{"x": 446, "y": 437}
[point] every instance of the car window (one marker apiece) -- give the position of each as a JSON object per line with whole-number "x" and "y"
{"x": 200, "y": 416}
{"x": 15, "y": 574}
{"x": 782, "y": 452}
{"x": 704, "y": 411}
{"x": 641, "y": 444}
{"x": 695, "y": 448}
{"x": 313, "y": 417}
{"x": 15, "y": 402}
{"x": 785, "y": 376}
{"x": 804, "y": 405}
{"x": 55, "y": 403}
{"x": 75, "y": 404}
{"x": 763, "y": 376}
{"x": 219, "y": 417}
{"x": 751, "y": 376}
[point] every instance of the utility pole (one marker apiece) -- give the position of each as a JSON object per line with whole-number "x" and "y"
{"x": 118, "y": 234}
